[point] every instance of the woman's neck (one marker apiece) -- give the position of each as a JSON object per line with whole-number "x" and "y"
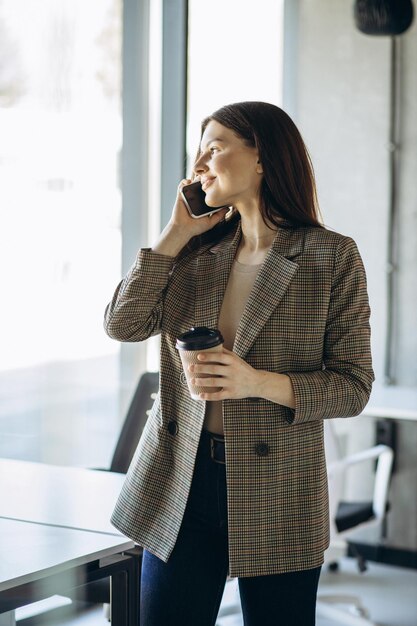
{"x": 254, "y": 247}
{"x": 256, "y": 235}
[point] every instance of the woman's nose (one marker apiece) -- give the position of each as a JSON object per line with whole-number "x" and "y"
{"x": 200, "y": 166}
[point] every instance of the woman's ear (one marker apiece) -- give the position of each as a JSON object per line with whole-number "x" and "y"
{"x": 259, "y": 168}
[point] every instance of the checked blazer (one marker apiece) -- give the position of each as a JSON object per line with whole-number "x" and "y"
{"x": 307, "y": 316}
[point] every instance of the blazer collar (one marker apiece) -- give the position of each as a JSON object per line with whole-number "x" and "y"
{"x": 288, "y": 242}
{"x": 275, "y": 275}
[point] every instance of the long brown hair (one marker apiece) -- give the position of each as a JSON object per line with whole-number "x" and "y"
{"x": 288, "y": 188}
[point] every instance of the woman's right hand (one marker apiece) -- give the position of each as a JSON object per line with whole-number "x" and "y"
{"x": 182, "y": 227}
{"x": 192, "y": 226}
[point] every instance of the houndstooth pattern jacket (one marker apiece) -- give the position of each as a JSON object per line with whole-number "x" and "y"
{"x": 307, "y": 316}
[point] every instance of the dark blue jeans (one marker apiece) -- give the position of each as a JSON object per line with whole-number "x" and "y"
{"x": 187, "y": 590}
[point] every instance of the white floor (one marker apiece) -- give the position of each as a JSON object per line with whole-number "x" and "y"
{"x": 389, "y": 593}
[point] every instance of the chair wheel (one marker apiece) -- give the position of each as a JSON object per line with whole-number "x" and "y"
{"x": 333, "y": 566}
{"x": 360, "y": 611}
{"x": 362, "y": 566}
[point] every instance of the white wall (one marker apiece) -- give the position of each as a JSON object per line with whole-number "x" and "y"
{"x": 338, "y": 94}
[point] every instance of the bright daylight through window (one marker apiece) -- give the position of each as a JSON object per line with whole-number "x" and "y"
{"x": 234, "y": 54}
{"x": 61, "y": 134}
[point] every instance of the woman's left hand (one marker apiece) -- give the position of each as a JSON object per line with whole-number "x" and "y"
{"x": 227, "y": 370}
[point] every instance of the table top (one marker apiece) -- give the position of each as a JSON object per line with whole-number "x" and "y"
{"x": 392, "y": 402}
{"x": 69, "y": 497}
{"x": 31, "y": 552}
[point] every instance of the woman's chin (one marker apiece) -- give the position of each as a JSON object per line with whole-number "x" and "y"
{"x": 214, "y": 201}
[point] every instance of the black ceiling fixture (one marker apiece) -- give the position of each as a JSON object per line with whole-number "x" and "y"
{"x": 383, "y": 17}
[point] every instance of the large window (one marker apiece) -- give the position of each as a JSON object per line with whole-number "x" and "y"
{"x": 235, "y": 53}
{"x": 60, "y": 199}
{"x": 60, "y": 242}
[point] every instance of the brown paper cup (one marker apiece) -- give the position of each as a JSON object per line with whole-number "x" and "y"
{"x": 189, "y": 345}
{"x": 187, "y": 358}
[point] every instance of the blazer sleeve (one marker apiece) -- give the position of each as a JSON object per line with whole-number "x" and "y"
{"x": 136, "y": 309}
{"x": 343, "y": 386}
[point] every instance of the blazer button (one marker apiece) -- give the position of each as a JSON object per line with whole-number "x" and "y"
{"x": 262, "y": 449}
{"x": 172, "y": 427}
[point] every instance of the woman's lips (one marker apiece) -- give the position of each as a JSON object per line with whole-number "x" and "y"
{"x": 207, "y": 183}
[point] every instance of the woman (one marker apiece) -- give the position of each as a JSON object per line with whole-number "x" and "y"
{"x": 236, "y": 482}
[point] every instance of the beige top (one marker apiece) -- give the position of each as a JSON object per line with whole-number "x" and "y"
{"x": 239, "y": 286}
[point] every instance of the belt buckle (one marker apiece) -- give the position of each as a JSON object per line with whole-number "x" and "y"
{"x": 212, "y": 444}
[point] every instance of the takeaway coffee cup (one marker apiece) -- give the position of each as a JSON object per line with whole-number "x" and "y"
{"x": 189, "y": 345}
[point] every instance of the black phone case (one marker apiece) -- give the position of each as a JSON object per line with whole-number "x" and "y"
{"x": 194, "y": 199}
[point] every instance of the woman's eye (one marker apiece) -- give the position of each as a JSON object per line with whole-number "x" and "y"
{"x": 213, "y": 148}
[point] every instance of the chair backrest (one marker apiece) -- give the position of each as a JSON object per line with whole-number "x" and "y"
{"x": 337, "y": 466}
{"x": 135, "y": 420}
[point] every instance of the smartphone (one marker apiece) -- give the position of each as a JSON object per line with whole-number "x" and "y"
{"x": 195, "y": 201}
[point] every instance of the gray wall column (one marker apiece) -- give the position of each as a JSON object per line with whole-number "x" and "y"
{"x": 134, "y": 162}
{"x": 290, "y": 60}
{"x": 134, "y": 165}
{"x": 174, "y": 102}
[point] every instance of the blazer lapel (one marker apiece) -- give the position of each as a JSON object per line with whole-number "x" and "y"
{"x": 213, "y": 269}
{"x": 270, "y": 286}
{"x": 212, "y": 274}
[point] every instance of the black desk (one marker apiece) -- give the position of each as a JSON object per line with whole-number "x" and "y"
{"x": 71, "y": 497}
{"x": 55, "y": 535}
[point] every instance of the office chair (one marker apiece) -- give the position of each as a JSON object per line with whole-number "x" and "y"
{"x": 347, "y": 518}
{"x": 99, "y": 592}
{"x": 135, "y": 420}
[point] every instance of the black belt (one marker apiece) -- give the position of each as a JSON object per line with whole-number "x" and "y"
{"x": 216, "y": 446}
